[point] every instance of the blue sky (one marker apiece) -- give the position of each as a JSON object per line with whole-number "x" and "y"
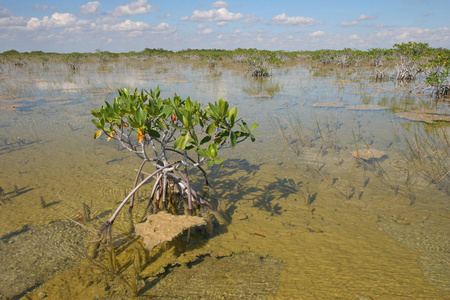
{"x": 122, "y": 26}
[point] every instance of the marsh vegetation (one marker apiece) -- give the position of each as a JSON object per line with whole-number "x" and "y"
{"x": 351, "y": 142}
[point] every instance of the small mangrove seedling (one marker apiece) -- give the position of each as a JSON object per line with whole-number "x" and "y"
{"x": 16, "y": 191}
{"x": 175, "y": 136}
{"x": 2, "y": 195}
{"x": 43, "y": 204}
{"x": 86, "y": 212}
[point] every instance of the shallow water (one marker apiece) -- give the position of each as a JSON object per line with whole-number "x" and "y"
{"x": 317, "y": 222}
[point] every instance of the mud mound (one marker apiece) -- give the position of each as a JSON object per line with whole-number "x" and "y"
{"x": 164, "y": 227}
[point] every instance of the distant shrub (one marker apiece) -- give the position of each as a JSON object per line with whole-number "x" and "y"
{"x": 75, "y": 60}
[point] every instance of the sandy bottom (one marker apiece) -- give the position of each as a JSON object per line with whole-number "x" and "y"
{"x": 280, "y": 247}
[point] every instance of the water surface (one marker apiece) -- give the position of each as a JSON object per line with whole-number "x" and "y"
{"x": 314, "y": 220}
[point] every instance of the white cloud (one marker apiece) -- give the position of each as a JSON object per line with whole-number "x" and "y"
{"x": 13, "y": 21}
{"x": 416, "y": 34}
{"x": 283, "y": 19}
{"x": 219, "y": 4}
{"x": 222, "y": 23}
{"x": 134, "y": 8}
{"x": 43, "y": 7}
{"x": 249, "y": 19}
{"x": 45, "y": 37}
{"x": 82, "y": 26}
{"x": 366, "y": 17}
{"x": 376, "y": 26}
{"x": 361, "y": 17}
{"x": 345, "y": 23}
{"x": 214, "y": 15}
{"x": 163, "y": 28}
{"x": 135, "y": 33}
{"x": 206, "y": 31}
{"x": 201, "y": 26}
{"x": 90, "y": 8}
{"x": 4, "y": 12}
{"x": 56, "y": 20}
{"x": 317, "y": 33}
{"x": 129, "y": 25}
{"x": 354, "y": 37}
{"x": 108, "y": 20}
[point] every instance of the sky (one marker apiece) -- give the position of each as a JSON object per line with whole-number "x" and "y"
{"x": 292, "y": 25}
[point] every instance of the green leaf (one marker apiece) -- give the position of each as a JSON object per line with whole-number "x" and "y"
{"x": 213, "y": 150}
{"x": 179, "y": 115}
{"x": 214, "y": 110}
{"x": 97, "y": 124}
{"x": 178, "y": 142}
{"x": 181, "y": 141}
{"x": 205, "y": 139}
{"x": 188, "y": 104}
{"x": 153, "y": 133}
{"x": 223, "y": 108}
{"x": 210, "y": 129}
{"x": 134, "y": 124}
{"x": 141, "y": 116}
{"x": 187, "y": 119}
{"x": 254, "y": 126}
{"x": 166, "y": 112}
{"x": 233, "y": 139}
{"x": 194, "y": 137}
{"x": 232, "y": 115}
{"x": 203, "y": 152}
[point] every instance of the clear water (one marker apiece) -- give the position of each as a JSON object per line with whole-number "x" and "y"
{"x": 320, "y": 223}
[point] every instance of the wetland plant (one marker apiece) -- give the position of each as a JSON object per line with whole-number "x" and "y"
{"x": 407, "y": 58}
{"x": 428, "y": 154}
{"x": 437, "y": 75}
{"x": 43, "y": 203}
{"x": 259, "y": 62}
{"x": 75, "y": 60}
{"x": 175, "y": 136}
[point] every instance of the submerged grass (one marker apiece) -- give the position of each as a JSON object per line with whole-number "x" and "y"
{"x": 428, "y": 153}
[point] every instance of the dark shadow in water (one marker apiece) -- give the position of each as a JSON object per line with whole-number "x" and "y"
{"x": 9, "y": 147}
{"x": 225, "y": 181}
{"x": 150, "y": 283}
{"x": 52, "y": 203}
{"x": 7, "y": 237}
{"x": 313, "y": 198}
{"x": 14, "y": 193}
{"x": 22, "y": 191}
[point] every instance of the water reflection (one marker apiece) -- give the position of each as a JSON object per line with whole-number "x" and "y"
{"x": 261, "y": 88}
